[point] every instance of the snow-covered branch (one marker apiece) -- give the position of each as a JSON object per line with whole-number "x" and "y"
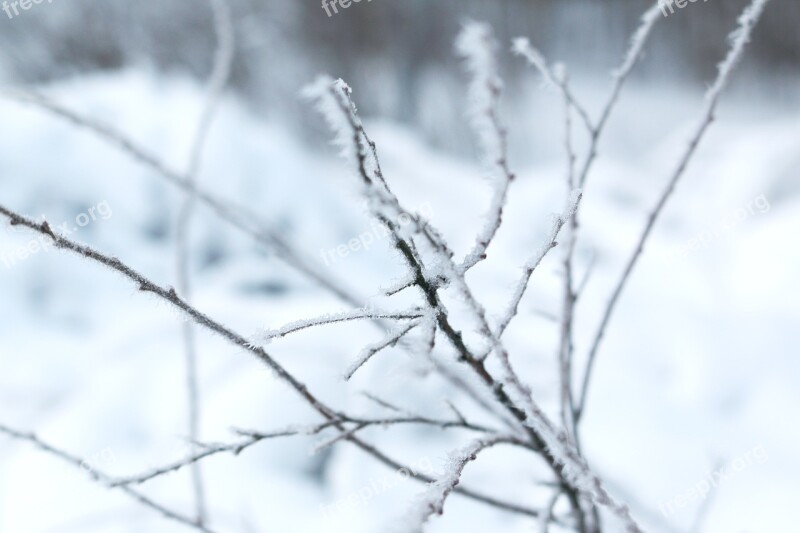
{"x": 364, "y": 313}
{"x": 476, "y": 44}
{"x": 433, "y": 500}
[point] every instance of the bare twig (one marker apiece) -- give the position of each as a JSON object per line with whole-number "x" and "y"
{"x": 533, "y": 262}
{"x": 368, "y": 352}
{"x": 207, "y": 451}
{"x": 383, "y": 403}
{"x": 739, "y": 39}
{"x": 638, "y": 42}
{"x": 477, "y": 46}
{"x": 565, "y": 351}
{"x": 223, "y": 59}
{"x": 469, "y": 493}
{"x": 547, "y": 516}
{"x": 456, "y": 412}
{"x": 327, "y": 443}
{"x": 521, "y": 46}
{"x": 365, "y": 313}
{"x": 586, "y": 276}
{"x": 458, "y": 382}
{"x": 103, "y": 479}
{"x": 433, "y": 501}
{"x": 423, "y": 420}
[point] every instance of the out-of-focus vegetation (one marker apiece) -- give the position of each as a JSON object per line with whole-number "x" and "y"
{"x": 398, "y": 53}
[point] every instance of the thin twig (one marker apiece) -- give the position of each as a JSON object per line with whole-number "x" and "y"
{"x": 383, "y": 403}
{"x": 638, "y": 42}
{"x": 458, "y": 382}
{"x": 521, "y": 46}
{"x": 223, "y": 59}
{"x": 534, "y": 261}
{"x": 586, "y": 276}
{"x": 565, "y": 351}
{"x": 365, "y": 313}
{"x": 209, "y": 450}
{"x": 368, "y": 352}
{"x": 455, "y": 411}
{"x": 327, "y": 443}
{"x": 547, "y": 516}
{"x": 433, "y": 501}
{"x": 739, "y": 39}
{"x": 103, "y": 479}
{"x": 477, "y": 46}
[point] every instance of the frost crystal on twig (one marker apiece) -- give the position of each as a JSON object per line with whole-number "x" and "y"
{"x": 368, "y": 352}
{"x": 365, "y": 313}
{"x": 477, "y": 46}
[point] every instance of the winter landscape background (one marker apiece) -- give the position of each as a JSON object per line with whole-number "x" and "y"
{"x": 698, "y": 370}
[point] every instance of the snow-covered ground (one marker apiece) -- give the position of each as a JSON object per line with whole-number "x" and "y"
{"x": 698, "y": 370}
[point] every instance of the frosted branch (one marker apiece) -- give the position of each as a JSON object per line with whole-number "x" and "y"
{"x": 102, "y": 478}
{"x": 223, "y": 59}
{"x": 738, "y": 42}
{"x": 533, "y": 262}
{"x": 621, "y": 74}
{"x": 432, "y": 501}
{"x": 368, "y": 352}
{"x": 522, "y": 47}
{"x": 210, "y": 450}
{"x": 365, "y": 313}
{"x": 476, "y": 44}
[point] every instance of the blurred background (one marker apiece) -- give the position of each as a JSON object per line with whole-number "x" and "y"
{"x": 699, "y": 368}
{"x": 400, "y": 54}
